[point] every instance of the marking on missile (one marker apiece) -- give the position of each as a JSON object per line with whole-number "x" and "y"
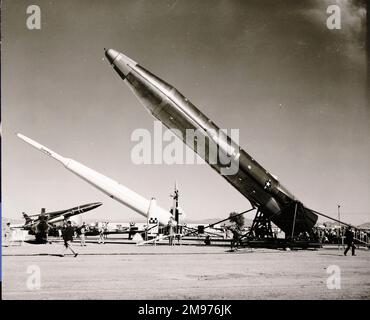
{"x": 267, "y": 184}
{"x": 153, "y": 220}
{"x": 45, "y": 151}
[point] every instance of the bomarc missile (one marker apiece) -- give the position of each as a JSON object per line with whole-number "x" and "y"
{"x": 124, "y": 195}
{"x": 175, "y": 111}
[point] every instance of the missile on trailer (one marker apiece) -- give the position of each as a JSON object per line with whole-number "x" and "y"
{"x": 147, "y": 208}
{"x": 175, "y": 111}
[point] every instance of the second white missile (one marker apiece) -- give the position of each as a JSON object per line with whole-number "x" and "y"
{"x": 122, "y": 194}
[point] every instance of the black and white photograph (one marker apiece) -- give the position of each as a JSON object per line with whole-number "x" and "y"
{"x": 213, "y": 150}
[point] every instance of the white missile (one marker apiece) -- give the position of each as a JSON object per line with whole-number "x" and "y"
{"x": 57, "y": 219}
{"x": 147, "y": 208}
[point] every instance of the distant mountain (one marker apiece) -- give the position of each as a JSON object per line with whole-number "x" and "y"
{"x": 364, "y": 225}
{"x": 331, "y": 224}
{"x": 247, "y": 222}
{"x": 203, "y": 221}
{"x": 5, "y": 220}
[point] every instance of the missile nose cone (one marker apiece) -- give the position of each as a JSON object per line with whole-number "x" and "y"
{"x": 111, "y": 54}
{"x": 97, "y": 204}
{"x": 91, "y": 206}
{"x": 44, "y": 149}
{"x": 123, "y": 64}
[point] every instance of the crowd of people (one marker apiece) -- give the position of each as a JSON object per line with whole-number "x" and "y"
{"x": 325, "y": 235}
{"x": 69, "y": 233}
{"x": 336, "y": 235}
{"x": 322, "y": 234}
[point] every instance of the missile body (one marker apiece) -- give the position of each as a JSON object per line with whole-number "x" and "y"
{"x": 175, "y": 111}
{"x": 38, "y": 224}
{"x": 113, "y": 189}
{"x": 62, "y": 215}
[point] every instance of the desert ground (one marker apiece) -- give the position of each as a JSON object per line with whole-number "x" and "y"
{"x": 127, "y": 271}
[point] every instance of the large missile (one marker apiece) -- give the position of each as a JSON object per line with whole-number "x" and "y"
{"x": 146, "y": 208}
{"x": 175, "y": 111}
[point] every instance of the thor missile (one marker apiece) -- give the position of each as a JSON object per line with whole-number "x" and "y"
{"x": 175, "y": 111}
{"x": 147, "y": 208}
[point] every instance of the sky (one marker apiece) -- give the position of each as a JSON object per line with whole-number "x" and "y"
{"x": 296, "y": 90}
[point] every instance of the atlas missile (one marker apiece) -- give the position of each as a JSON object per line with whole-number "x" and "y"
{"x": 175, "y": 111}
{"x": 147, "y": 208}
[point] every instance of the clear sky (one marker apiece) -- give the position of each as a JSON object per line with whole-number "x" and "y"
{"x": 295, "y": 89}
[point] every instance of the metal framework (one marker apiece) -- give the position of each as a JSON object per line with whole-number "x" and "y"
{"x": 261, "y": 227}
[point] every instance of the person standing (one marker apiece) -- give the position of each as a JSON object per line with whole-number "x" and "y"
{"x": 170, "y": 231}
{"x": 68, "y": 233}
{"x": 7, "y": 233}
{"x": 82, "y": 234}
{"x": 235, "y": 241}
{"x": 101, "y": 234}
{"x": 207, "y": 240}
{"x": 105, "y": 226}
{"x": 349, "y": 239}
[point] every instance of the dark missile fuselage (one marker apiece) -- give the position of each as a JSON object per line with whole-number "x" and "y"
{"x": 41, "y": 222}
{"x": 175, "y": 111}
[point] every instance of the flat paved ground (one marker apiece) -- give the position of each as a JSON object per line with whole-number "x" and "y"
{"x": 126, "y": 271}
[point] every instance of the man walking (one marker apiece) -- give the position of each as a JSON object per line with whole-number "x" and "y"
{"x": 68, "y": 234}
{"x": 349, "y": 241}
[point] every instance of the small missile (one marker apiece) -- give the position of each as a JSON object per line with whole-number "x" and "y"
{"x": 68, "y": 213}
{"x": 177, "y": 113}
{"x": 147, "y": 208}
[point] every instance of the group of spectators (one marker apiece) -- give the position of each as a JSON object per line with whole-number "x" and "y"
{"x": 336, "y": 235}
